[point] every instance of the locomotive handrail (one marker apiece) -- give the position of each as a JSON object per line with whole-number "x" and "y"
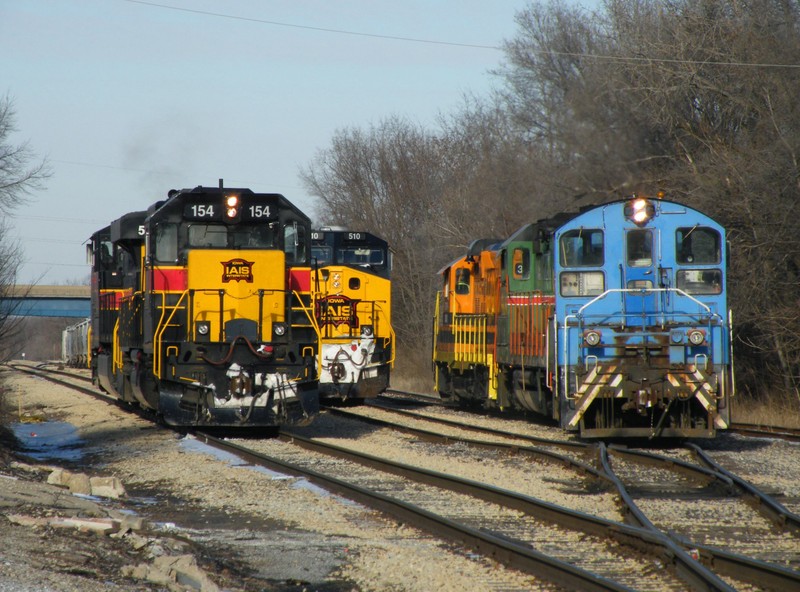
{"x": 579, "y": 315}
{"x": 161, "y": 327}
{"x": 392, "y": 336}
{"x": 309, "y": 312}
{"x": 374, "y": 311}
{"x": 643, "y": 291}
{"x": 116, "y": 358}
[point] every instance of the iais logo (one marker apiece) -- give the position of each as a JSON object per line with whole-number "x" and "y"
{"x": 237, "y": 270}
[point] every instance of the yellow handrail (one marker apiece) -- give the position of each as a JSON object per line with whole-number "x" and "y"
{"x": 117, "y": 352}
{"x": 161, "y": 327}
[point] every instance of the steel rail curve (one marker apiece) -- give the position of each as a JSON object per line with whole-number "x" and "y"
{"x": 759, "y": 573}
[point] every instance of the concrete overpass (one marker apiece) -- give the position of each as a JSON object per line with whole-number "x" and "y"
{"x": 46, "y": 301}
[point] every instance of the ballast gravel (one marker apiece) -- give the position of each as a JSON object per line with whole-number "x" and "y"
{"x": 257, "y": 531}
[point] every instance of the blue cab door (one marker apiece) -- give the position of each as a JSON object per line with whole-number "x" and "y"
{"x": 639, "y": 266}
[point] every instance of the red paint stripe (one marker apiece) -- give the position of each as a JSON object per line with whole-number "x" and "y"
{"x": 168, "y": 280}
{"x": 300, "y": 280}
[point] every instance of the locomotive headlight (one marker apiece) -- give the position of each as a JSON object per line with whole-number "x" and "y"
{"x": 366, "y": 331}
{"x": 639, "y": 211}
{"x": 232, "y": 206}
{"x": 279, "y": 329}
{"x": 696, "y": 337}
{"x": 592, "y": 338}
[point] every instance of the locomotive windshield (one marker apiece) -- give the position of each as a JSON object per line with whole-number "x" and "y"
{"x": 697, "y": 245}
{"x": 360, "y": 256}
{"x": 322, "y": 255}
{"x": 242, "y": 236}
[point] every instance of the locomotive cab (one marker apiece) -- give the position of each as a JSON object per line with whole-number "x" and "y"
{"x": 644, "y": 337}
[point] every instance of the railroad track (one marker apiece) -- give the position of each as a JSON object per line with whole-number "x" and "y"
{"x": 735, "y": 566}
{"x": 761, "y": 431}
{"x": 431, "y": 500}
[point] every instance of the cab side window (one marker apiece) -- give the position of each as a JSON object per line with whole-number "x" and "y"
{"x": 462, "y": 281}
{"x": 521, "y": 260}
{"x": 166, "y": 242}
{"x": 294, "y": 243}
{"x": 581, "y": 248}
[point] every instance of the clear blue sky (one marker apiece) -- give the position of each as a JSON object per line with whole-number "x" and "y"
{"x": 128, "y": 100}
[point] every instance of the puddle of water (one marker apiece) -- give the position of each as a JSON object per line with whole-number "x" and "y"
{"x": 192, "y": 444}
{"x": 49, "y": 440}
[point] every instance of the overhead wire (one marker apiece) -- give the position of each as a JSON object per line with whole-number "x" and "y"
{"x": 635, "y": 59}
{"x": 312, "y": 28}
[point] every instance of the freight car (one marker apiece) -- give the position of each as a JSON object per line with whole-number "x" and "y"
{"x": 352, "y": 305}
{"x": 202, "y": 311}
{"x": 75, "y": 345}
{"x": 613, "y": 321}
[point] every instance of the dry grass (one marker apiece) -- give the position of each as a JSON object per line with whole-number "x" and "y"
{"x": 413, "y": 371}
{"x": 779, "y": 411}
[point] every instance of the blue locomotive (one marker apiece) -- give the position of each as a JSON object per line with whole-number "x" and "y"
{"x": 613, "y": 321}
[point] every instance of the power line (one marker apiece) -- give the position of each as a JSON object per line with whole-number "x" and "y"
{"x": 643, "y": 60}
{"x": 312, "y": 28}
{"x": 47, "y": 240}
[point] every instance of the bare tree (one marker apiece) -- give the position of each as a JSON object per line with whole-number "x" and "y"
{"x": 17, "y": 175}
{"x": 429, "y": 193}
{"x": 388, "y": 181}
{"x": 17, "y": 178}
{"x": 694, "y": 97}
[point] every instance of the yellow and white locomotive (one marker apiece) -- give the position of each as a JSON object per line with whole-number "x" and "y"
{"x": 202, "y": 310}
{"x": 352, "y": 304}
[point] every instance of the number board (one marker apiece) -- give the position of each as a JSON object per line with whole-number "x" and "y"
{"x": 248, "y": 211}
{"x": 354, "y": 237}
{"x": 203, "y": 211}
{"x": 259, "y": 211}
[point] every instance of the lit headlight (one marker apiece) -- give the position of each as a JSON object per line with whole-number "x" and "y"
{"x": 696, "y": 337}
{"x": 592, "y": 338}
{"x": 232, "y": 206}
{"x": 639, "y": 211}
{"x": 279, "y": 329}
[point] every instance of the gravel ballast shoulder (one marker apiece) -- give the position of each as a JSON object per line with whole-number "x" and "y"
{"x": 253, "y": 530}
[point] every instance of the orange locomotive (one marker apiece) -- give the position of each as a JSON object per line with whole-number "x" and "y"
{"x": 491, "y": 316}
{"x": 202, "y": 309}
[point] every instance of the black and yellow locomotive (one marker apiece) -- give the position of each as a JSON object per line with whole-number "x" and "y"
{"x": 202, "y": 309}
